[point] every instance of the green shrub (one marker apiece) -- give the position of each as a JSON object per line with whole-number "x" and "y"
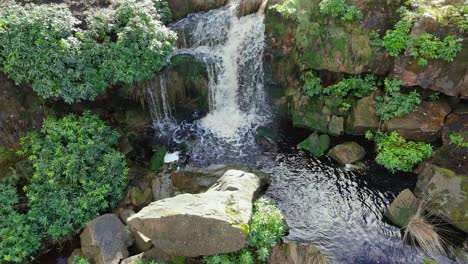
{"x": 80, "y": 260}
{"x": 77, "y": 172}
{"x": 339, "y": 8}
{"x": 42, "y": 45}
{"x": 163, "y": 10}
{"x": 458, "y": 140}
{"x": 341, "y": 94}
{"x": 287, "y": 9}
{"x": 393, "y": 103}
{"x": 396, "y": 40}
{"x": 18, "y": 238}
{"x": 266, "y": 228}
{"x": 396, "y": 153}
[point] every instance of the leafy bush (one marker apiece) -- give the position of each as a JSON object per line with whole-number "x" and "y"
{"x": 423, "y": 47}
{"x": 77, "y": 172}
{"x": 80, "y": 260}
{"x": 18, "y": 239}
{"x": 393, "y": 103}
{"x": 42, "y": 45}
{"x": 287, "y": 9}
{"x": 266, "y": 228}
{"x": 342, "y": 93}
{"x": 458, "y": 140}
{"x": 396, "y": 153}
{"x": 339, "y": 8}
{"x": 163, "y": 10}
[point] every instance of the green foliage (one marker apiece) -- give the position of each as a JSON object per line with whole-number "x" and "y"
{"x": 42, "y": 45}
{"x": 18, "y": 238}
{"x": 393, "y": 103}
{"x": 287, "y": 9}
{"x": 422, "y": 47}
{"x": 458, "y": 140}
{"x": 434, "y": 97}
{"x": 163, "y": 10}
{"x": 341, "y": 94}
{"x": 157, "y": 160}
{"x": 339, "y": 8}
{"x": 396, "y": 153}
{"x": 266, "y": 228}
{"x": 77, "y": 172}
{"x": 80, "y": 260}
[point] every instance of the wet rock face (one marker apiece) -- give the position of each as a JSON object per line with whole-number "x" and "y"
{"x": 248, "y": 7}
{"x": 316, "y": 144}
{"x": 403, "y": 208}
{"x": 105, "y": 240}
{"x": 202, "y": 224}
{"x": 181, "y": 8}
{"x": 444, "y": 193}
{"x": 347, "y": 153}
{"x": 423, "y": 124}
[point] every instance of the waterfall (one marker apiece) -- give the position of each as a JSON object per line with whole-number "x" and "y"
{"x": 156, "y": 94}
{"x": 232, "y": 49}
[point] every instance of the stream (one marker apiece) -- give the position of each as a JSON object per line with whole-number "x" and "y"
{"x": 338, "y": 210}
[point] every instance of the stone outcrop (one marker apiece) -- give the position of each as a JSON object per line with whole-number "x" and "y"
{"x": 181, "y": 8}
{"x": 201, "y": 224}
{"x": 362, "y": 117}
{"x": 249, "y": 6}
{"x": 336, "y": 126}
{"x": 347, "y": 153}
{"x": 423, "y": 124}
{"x": 450, "y": 78}
{"x": 309, "y": 112}
{"x": 444, "y": 193}
{"x": 296, "y": 253}
{"x": 316, "y": 144}
{"x": 105, "y": 241}
{"x": 403, "y": 208}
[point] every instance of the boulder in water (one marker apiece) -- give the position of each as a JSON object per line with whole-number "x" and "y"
{"x": 403, "y": 208}
{"x": 316, "y": 144}
{"x": 105, "y": 240}
{"x": 347, "y": 153}
{"x": 210, "y": 223}
{"x": 444, "y": 193}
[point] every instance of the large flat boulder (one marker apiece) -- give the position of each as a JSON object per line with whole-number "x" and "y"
{"x": 423, "y": 124}
{"x": 210, "y": 223}
{"x": 105, "y": 240}
{"x": 444, "y": 193}
{"x": 347, "y": 153}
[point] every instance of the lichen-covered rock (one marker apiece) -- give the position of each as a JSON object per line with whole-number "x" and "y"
{"x": 450, "y": 78}
{"x": 181, "y": 8}
{"x": 423, "y": 124}
{"x": 362, "y": 117}
{"x": 403, "y": 208}
{"x": 197, "y": 180}
{"x": 296, "y": 253}
{"x": 336, "y": 126}
{"x": 105, "y": 241}
{"x": 201, "y": 224}
{"x": 444, "y": 193}
{"x": 347, "y": 153}
{"x": 316, "y": 144}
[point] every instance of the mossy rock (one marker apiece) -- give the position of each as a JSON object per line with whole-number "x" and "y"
{"x": 309, "y": 113}
{"x": 316, "y": 144}
{"x": 403, "y": 208}
{"x": 157, "y": 160}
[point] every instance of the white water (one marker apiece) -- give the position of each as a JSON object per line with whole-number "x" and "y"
{"x": 232, "y": 49}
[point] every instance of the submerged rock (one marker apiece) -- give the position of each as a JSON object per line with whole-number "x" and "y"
{"x": 403, "y": 208}
{"x": 316, "y": 144}
{"x": 423, "y": 124}
{"x": 210, "y": 223}
{"x": 444, "y": 193}
{"x": 347, "y": 153}
{"x": 105, "y": 241}
{"x": 295, "y": 253}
